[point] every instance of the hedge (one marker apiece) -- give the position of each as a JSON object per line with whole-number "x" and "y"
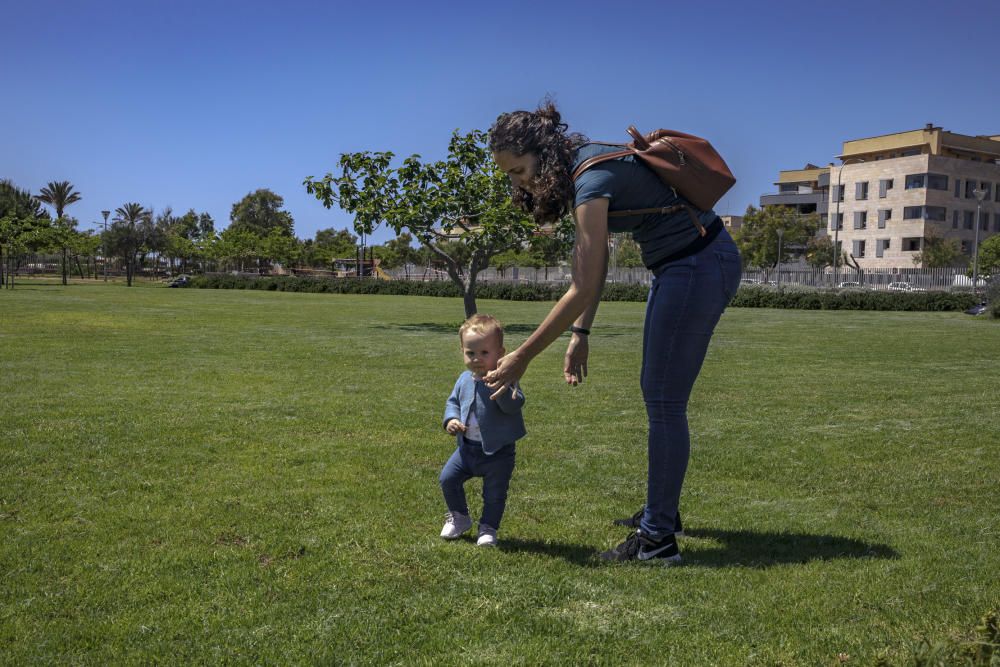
{"x": 748, "y": 296}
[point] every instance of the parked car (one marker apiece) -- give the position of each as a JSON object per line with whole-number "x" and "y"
{"x": 904, "y": 287}
{"x": 179, "y": 281}
{"x": 965, "y": 281}
{"x": 749, "y": 281}
{"x": 849, "y": 284}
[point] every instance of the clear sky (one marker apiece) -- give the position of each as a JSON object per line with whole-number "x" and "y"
{"x": 194, "y": 104}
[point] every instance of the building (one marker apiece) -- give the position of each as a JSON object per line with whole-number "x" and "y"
{"x": 891, "y": 192}
{"x": 732, "y": 222}
{"x": 806, "y": 190}
{"x": 901, "y": 188}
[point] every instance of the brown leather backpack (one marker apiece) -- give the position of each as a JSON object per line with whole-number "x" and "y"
{"x": 686, "y": 163}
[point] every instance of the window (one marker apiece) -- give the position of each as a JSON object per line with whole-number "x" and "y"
{"x": 954, "y": 219}
{"x": 969, "y": 222}
{"x": 839, "y": 218}
{"x": 996, "y": 194}
{"x": 861, "y": 219}
{"x": 984, "y": 223}
{"x": 967, "y": 247}
{"x": 915, "y": 181}
{"x": 969, "y": 187}
{"x": 838, "y": 192}
{"x": 881, "y": 245}
{"x": 884, "y": 186}
{"x": 936, "y": 213}
{"x": 958, "y": 187}
{"x": 986, "y": 187}
{"x": 911, "y": 244}
{"x": 912, "y": 212}
{"x": 883, "y": 215}
{"x": 937, "y": 181}
{"x": 996, "y": 222}
{"x": 785, "y": 187}
{"x": 859, "y": 248}
{"x": 861, "y": 190}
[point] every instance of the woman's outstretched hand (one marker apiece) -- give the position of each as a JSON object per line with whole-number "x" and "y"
{"x": 575, "y": 363}
{"x": 509, "y": 370}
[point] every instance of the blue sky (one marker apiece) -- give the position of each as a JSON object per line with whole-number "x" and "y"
{"x": 195, "y": 104}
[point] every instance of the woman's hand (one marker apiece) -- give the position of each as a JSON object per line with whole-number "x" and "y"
{"x": 509, "y": 370}
{"x": 575, "y": 364}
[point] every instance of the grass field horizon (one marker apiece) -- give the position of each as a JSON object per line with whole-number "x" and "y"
{"x": 203, "y": 476}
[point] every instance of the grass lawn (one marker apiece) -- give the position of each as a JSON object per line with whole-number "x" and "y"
{"x": 198, "y": 476}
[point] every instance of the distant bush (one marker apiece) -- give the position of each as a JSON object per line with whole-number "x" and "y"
{"x": 993, "y": 297}
{"x": 748, "y": 296}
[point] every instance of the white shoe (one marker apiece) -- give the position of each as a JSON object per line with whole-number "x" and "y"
{"x": 455, "y": 523}
{"x": 487, "y": 536}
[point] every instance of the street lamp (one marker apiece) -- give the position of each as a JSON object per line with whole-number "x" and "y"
{"x": 781, "y": 233}
{"x": 105, "y": 214}
{"x": 836, "y": 218}
{"x": 980, "y": 196}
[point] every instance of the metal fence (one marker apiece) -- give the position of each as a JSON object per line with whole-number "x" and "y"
{"x": 901, "y": 279}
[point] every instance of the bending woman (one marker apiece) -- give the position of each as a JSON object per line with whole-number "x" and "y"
{"x": 696, "y": 269}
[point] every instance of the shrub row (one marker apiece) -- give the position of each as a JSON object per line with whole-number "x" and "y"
{"x": 748, "y": 296}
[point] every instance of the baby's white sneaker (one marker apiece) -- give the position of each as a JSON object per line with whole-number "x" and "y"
{"x": 455, "y": 523}
{"x": 487, "y": 536}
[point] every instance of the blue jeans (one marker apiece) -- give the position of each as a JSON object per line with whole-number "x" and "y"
{"x": 468, "y": 461}
{"x": 685, "y": 303}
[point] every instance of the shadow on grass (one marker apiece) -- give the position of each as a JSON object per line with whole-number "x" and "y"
{"x": 737, "y": 548}
{"x": 748, "y": 548}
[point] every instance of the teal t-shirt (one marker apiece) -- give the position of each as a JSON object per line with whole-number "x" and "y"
{"x": 629, "y": 184}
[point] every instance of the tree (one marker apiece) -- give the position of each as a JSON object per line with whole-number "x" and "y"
{"x": 331, "y": 244}
{"x": 23, "y": 224}
{"x": 59, "y": 195}
{"x": 989, "y": 255}
{"x": 398, "y": 252}
{"x": 127, "y": 234}
{"x": 938, "y": 252}
{"x": 459, "y": 208}
{"x": 260, "y": 213}
{"x": 819, "y": 252}
{"x": 757, "y": 238}
{"x": 551, "y": 249}
{"x": 628, "y": 255}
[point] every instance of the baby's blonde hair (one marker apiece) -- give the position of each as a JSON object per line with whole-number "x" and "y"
{"x": 481, "y": 324}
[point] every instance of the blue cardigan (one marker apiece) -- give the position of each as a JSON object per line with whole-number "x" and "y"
{"x": 500, "y": 421}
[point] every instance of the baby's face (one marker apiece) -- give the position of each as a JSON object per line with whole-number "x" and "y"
{"x": 481, "y": 351}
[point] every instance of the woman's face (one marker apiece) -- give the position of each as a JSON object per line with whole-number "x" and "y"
{"x": 521, "y": 169}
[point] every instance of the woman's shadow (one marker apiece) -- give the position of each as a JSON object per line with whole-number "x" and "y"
{"x": 733, "y": 548}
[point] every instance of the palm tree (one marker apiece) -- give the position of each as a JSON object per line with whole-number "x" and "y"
{"x": 128, "y": 234}
{"x": 59, "y": 195}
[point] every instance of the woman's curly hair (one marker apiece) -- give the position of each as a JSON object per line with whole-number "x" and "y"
{"x": 543, "y": 133}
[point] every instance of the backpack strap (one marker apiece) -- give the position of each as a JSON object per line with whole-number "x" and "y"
{"x": 666, "y": 210}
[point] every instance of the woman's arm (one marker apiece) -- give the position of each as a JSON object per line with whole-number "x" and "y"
{"x": 590, "y": 265}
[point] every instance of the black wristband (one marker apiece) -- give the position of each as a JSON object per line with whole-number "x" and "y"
{"x": 579, "y": 330}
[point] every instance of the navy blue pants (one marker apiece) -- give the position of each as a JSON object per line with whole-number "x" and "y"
{"x": 685, "y": 303}
{"x": 468, "y": 461}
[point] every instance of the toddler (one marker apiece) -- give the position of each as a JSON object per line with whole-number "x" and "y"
{"x": 485, "y": 431}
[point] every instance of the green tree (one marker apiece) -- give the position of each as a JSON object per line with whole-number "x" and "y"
{"x": 331, "y": 244}
{"x": 399, "y": 252}
{"x": 59, "y": 195}
{"x": 459, "y": 208}
{"x": 551, "y": 249}
{"x": 819, "y": 252}
{"x": 627, "y": 254}
{"x": 260, "y": 213}
{"x": 989, "y": 256}
{"x": 127, "y": 234}
{"x": 23, "y": 225}
{"x": 757, "y": 238}
{"x": 938, "y": 252}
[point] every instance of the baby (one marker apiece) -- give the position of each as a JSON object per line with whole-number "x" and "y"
{"x": 485, "y": 431}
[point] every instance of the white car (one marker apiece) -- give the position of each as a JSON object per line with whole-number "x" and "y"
{"x": 849, "y": 284}
{"x": 904, "y": 287}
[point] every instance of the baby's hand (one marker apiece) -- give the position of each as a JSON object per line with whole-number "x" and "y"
{"x": 454, "y": 426}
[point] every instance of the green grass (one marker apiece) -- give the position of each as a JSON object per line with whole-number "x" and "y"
{"x": 201, "y": 476}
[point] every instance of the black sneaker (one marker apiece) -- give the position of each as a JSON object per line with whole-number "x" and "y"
{"x": 640, "y": 548}
{"x": 634, "y": 520}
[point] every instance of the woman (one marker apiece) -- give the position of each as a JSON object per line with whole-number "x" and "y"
{"x": 696, "y": 268}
